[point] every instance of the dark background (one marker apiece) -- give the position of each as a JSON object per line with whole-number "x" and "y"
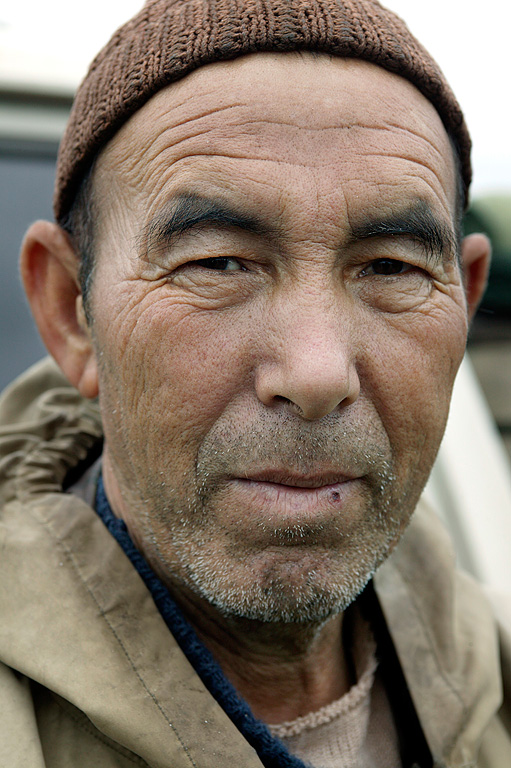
{"x": 27, "y": 172}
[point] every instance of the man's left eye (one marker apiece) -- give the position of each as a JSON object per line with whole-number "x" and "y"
{"x": 220, "y": 263}
{"x": 386, "y": 267}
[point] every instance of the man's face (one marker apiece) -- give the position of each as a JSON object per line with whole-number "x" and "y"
{"x": 278, "y": 317}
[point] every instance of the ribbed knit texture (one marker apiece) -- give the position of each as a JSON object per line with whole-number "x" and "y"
{"x": 170, "y": 38}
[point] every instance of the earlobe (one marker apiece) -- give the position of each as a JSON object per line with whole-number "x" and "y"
{"x": 49, "y": 269}
{"x": 475, "y": 256}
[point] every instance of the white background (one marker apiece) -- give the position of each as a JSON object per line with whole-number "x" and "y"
{"x": 52, "y": 42}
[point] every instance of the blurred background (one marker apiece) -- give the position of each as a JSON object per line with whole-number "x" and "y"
{"x": 45, "y": 49}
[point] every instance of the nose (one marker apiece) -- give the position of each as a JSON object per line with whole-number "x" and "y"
{"x": 311, "y": 363}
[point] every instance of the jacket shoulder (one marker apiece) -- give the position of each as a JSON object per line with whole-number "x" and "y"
{"x": 452, "y": 653}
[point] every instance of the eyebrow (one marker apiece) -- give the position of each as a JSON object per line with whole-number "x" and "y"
{"x": 187, "y": 212}
{"x": 417, "y": 222}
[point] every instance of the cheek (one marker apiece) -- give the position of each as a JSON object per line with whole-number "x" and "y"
{"x": 409, "y": 371}
{"x": 171, "y": 370}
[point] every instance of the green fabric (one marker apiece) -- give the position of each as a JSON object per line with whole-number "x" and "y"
{"x": 492, "y": 214}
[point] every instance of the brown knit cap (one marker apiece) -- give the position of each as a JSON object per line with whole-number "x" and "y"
{"x": 169, "y": 38}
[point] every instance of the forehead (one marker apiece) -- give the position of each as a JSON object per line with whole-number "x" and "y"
{"x": 284, "y": 126}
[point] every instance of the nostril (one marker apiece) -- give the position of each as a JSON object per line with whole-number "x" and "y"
{"x": 308, "y": 386}
{"x": 289, "y": 403}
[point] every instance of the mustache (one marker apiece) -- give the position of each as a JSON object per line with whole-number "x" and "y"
{"x": 329, "y": 447}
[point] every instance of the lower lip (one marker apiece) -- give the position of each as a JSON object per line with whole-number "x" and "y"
{"x": 295, "y": 501}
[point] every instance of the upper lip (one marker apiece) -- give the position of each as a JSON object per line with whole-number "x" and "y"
{"x": 298, "y": 480}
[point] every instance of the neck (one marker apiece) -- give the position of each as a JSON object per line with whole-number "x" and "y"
{"x": 283, "y": 671}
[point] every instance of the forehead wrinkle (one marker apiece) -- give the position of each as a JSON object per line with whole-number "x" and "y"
{"x": 134, "y": 148}
{"x": 221, "y": 132}
{"x": 179, "y": 153}
{"x": 135, "y": 128}
{"x": 298, "y": 122}
{"x": 136, "y": 166}
{"x": 428, "y": 140}
{"x": 409, "y": 160}
{"x": 301, "y": 119}
{"x": 244, "y": 123}
{"x": 223, "y": 176}
{"x": 200, "y": 87}
{"x": 444, "y": 189}
{"x": 152, "y": 150}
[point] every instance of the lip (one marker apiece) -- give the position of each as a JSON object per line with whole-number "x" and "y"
{"x": 297, "y": 481}
{"x": 279, "y": 500}
{"x": 274, "y": 499}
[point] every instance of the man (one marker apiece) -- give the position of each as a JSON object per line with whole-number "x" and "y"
{"x": 258, "y": 271}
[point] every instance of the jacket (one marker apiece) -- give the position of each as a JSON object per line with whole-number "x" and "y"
{"x": 90, "y": 675}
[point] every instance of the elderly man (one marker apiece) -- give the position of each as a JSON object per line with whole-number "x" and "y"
{"x": 258, "y": 273}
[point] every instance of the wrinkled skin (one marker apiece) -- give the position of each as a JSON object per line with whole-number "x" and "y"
{"x": 274, "y": 381}
{"x": 292, "y": 354}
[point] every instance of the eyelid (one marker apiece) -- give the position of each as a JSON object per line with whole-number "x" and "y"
{"x": 402, "y": 244}
{"x": 407, "y": 268}
{"x": 218, "y": 259}
{"x": 371, "y": 264}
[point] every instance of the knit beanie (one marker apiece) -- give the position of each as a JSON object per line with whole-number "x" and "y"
{"x": 168, "y": 39}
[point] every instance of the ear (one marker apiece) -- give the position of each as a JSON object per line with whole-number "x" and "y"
{"x": 475, "y": 257}
{"x": 49, "y": 269}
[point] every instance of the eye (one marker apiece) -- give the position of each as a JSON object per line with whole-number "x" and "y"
{"x": 387, "y": 267}
{"x": 220, "y": 264}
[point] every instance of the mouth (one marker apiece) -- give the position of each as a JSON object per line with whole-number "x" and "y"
{"x": 294, "y": 497}
{"x": 277, "y": 501}
{"x": 298, "y": 480}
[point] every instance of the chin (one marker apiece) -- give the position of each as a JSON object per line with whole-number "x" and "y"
{"x": 297, "y": 592}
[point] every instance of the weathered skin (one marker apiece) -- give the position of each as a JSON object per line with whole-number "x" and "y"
{"x": 301, "y": 357}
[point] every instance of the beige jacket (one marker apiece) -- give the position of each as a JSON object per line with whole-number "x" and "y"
{"x": 91, "y": 676}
